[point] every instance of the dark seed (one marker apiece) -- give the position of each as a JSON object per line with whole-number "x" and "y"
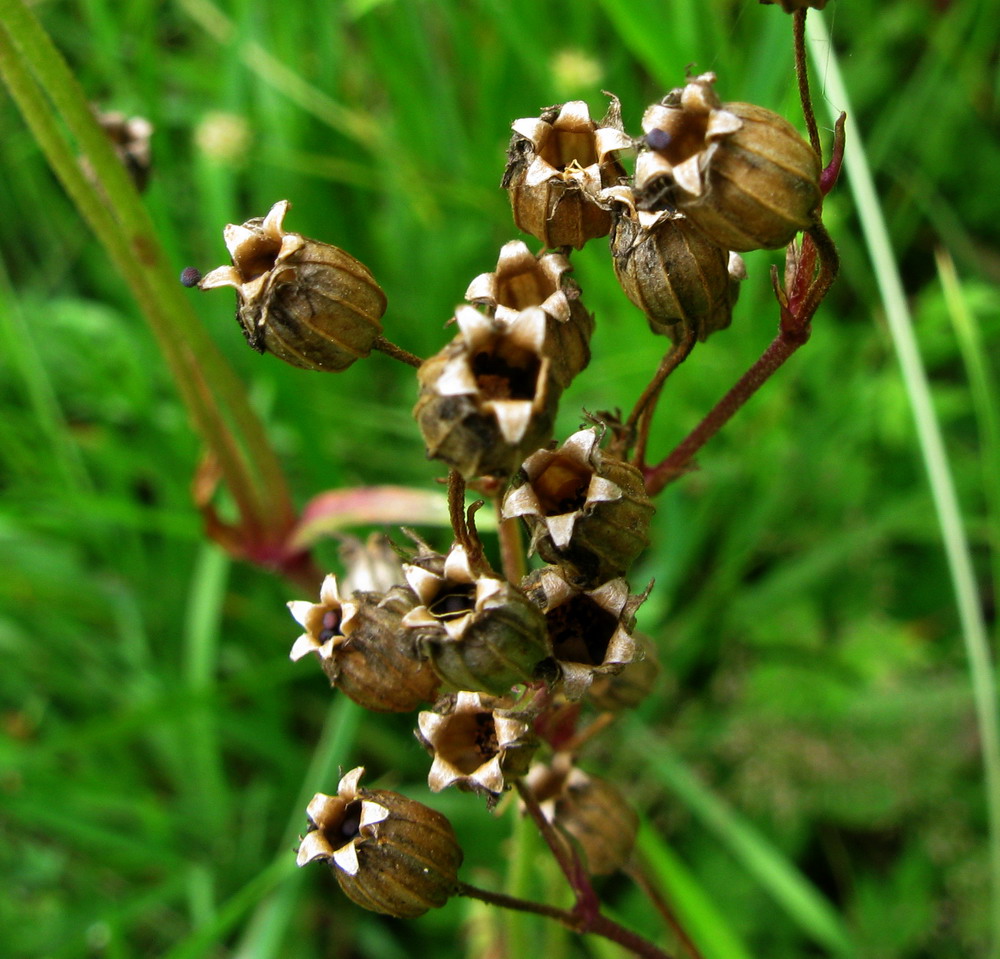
{"x": 190, "y": 276}
{"x": 658, "y": 139}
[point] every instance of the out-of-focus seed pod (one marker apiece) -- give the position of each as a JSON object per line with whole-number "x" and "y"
{"x": 373, "y": 566}
{"x": 615, "y": 692}
{"x": 130, "y": 137}
{"x": 477, "y": 745}
{"x": 589, "y": 630}
{"x": 364, "y": 649}
{"x": 739, "y": 172}
{"x": 390, "y": 854}
{"x": 591, "y": 810}
{"x": 678, "y": 277}
{"x": 521, "y": 281}
{"x": 557, "y": 165}
{"x": 479, "y": 632}
{"x": 588, "y": 512}
{"x": 487, "y": 399}
{"x": 309, "y": 303}
{"x": 790, "y": 6}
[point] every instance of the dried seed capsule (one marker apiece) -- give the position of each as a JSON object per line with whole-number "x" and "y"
{"x": 390, "y": 854}
{"x": 590, "y": 631}
{"x": 477, "y": 745}
{"x": 587, "y": 511}
{"x": 557, "y": 164}
{"x": 487, "y": 398}
{"x": 739, "y": 172}
{"x": 309, "y": 303}
{"x": 590, "y": 809}
{"x": 479, "y": 632}
{"x": 674, "y": 273}
{"x": 130, "y": 137}
{"x": 364, "y": 648}
{"x": 522, "y": 281}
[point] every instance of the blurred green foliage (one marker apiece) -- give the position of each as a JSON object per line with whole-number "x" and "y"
{"x": 155, "y": 741}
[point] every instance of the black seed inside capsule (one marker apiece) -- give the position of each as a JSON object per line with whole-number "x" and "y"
{"x": 350, "y": 825}
{"x": 454, "y": 603}
{"x": 331, "y": 625}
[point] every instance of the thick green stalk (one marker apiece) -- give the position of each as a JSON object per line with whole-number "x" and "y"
{"x": 43, "y": 87}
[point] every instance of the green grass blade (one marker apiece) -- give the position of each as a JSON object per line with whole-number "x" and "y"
{"x": 932, "y": 448}
{"x": 782, "y": 881}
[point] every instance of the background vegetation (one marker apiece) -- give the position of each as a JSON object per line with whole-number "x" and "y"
{"x": 808, "y": 768}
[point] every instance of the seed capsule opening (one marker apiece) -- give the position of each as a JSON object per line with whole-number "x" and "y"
{"x": 562, "y": 486}
{"x": 257, "y": 256}
{"x": 454, "y": 603}
{"x": 467, "y": 740}
{"x": 521, "y": 290}
{"x": 580, "y": 631}
{"x": 349, "y": 827}
{"x": 564, "y": 148}
{"x": 502, "y": 378}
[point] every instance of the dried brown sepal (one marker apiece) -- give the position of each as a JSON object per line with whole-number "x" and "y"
{"x": 587, "y": 511}
{"x": 364, "y": 649}
{"x": 390, "y": 854}
{"x": 739, "y": 172}
{"x": 557, "y": 164}
{"x": 521, "y": 281}
{"x": 309, "y": 303}
{"x": 487, "y": 399}
{"x": 479, "y": 632}
{"x": 589, "y": 630}
{"x": 614, "y": 692}
{"x": 477, "y": 744}
{"x": 591, "y": 810}
{"x": 673, "y": 272}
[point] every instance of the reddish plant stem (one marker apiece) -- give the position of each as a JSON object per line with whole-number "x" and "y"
{"x": 645, "y": 407}
{"x": 802, "y": 75}
{"x": 588, "y": 906}
{"x": 456, "y": 507}
{"x": 677, "y": 463}
{"x": 599, "y": 926}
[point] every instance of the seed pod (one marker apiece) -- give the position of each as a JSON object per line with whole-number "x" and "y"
{"x": 588, "y": 512}
{"x": 557, "y": 165}
{"x": 364, "y": 649}
{"x": 390, "y": 854}
{"x": 477, "y": 745}
{"x": 522, "y": 281}
{"x": 479, "y": 632}
{"x": 130, "y": 137}
{"x": 309, "y": 303}
{"x": 590, "y": 631}
{"x": 590, "y": 809}
{"x": 678, "y": 277}
{"x": 487, "y": 398}
{"x": 739, "y": 172}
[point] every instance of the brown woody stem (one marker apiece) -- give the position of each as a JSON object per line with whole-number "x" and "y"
{"x": 599, "y": 925}
{"x": 396, "y": 352}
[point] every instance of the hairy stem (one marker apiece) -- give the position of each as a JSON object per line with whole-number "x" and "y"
{"x": 396, "y": 352}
